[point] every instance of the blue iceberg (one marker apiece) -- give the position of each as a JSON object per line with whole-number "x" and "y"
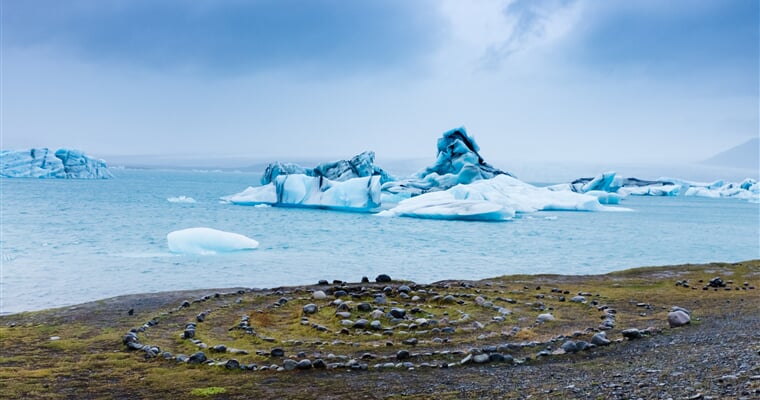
{"x": 610, "y": 188}
{"x": 41, "y": 163}
{"x": 460, "y": 185}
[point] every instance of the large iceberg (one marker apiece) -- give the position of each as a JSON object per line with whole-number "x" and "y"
{"x": 207, "y": 241}
{"x": 41, "y": 163}
{"x": 608, "y": 183}
{"x": 459, "y": 185}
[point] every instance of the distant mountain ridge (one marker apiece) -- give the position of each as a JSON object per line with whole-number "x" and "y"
{"x": 745, "y": 155}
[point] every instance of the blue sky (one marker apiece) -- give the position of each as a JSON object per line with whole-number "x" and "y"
{"x": 599, "y": 81}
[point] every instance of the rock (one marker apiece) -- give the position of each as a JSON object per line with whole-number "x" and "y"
{"x": 716, "y": 282}
{"x": 220, "y": 348}
{"x": 382, "y": 278}
{"x": 340, "y": 293}
{"x": 496, "y": 357}
{"x": 403, "y": 355}
{"x": 289, "y": 364}
{"x": 319, "y": 364}
{"x": 361, "y": 324}
{"x": 343, "y": 314}
{"x": 364, "y": 307}
{"x": 632, "y": 334}
{"x": 310, "y": 309}
{"x": 319, "y": 295}
{"x": 404, "y": 289}
{"x": 677, "y": 308}
{"x": 232, "y": 364}
{"x": 678, "y": 318}
{"x": 304, "y": 364}
{"x": 578, "y": 299}
{"x": 582, "y": 345}
{"x": 481, "y": 358}
{"x": 448, "y": 299}
{"x": 376, "y": 325}
{"x": 397, "y": 312}
{"x": 466, "y": 360}
{"x": 376, "y": 314}
{"x": 600, "y": 339}
{"x": 277, "y": 352}
{"x": 381, "y": 300}
{"x": 197, "y": 358}
{"x": 410, "y": 341}
{"x": 545, "y": 317}
{"x": 569, "y": 347}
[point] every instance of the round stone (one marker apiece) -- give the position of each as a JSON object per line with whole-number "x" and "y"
{"x": 383, "y": 278}
{"x": 310, "y": 309}
{"x": 319, "y": 295}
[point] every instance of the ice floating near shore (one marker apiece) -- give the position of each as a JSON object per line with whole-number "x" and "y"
{"x": 180, "y": 199}
{"x": 207, "y": 241}
{"x": 42, "y": 163}
{"x": 357, "y": 194}
{"x": 609, "y": 183}
{"x": 460, "y": 185}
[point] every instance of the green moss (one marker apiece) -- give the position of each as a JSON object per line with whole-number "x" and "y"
{"x": 208, "y": 391}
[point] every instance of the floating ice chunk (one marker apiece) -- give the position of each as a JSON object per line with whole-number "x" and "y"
{"x": 360, "y": 166}
{"x": 254, "y": 195}
{"x": 317, "y": 192}
{"x": 446, "y": 205}
{"x": 499, "y": 198}
{"x": 180, "y": 199}
{"x": 605, "y": 197}
{"x": 206, "y": 241}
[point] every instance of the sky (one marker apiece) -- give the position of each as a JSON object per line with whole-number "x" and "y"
{"x": 611, "y": 81}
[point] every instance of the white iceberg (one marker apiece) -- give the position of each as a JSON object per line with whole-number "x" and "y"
{"x": 498, "y": 198}
{"x": 41, "y": 163}
{"x": 207, "y": 241}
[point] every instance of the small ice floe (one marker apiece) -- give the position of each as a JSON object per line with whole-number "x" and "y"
{"x": 207, "y": 241}
{"x": 180, "y": 199}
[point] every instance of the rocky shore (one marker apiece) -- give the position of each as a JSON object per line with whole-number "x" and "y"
{"x": 690, "y": 331}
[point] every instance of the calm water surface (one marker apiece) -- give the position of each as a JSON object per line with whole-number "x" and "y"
{"x": 66, "y": 242}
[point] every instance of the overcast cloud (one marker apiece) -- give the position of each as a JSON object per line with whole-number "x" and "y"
{"x": 601, "y": 81}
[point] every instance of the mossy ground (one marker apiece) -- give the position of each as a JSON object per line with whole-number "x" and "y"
{"x": 90, "y": 361}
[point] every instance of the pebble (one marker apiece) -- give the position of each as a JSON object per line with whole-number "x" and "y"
{"x": 364, "y": 307}
{"x": 319, "y": 295}
{"x": 578, "y": 299}
{"x": 277, "y": 352}
{"x": 404, "y": 289}
{"x": 382, "y": 278}
{"x": 232, "y": 364}
{"x": 403, "y": 355}
{"x": 361, "y": 324}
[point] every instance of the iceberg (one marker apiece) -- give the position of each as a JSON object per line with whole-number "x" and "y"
{"x": 360, "y": 166}
{"x": 460, "y": 185}
{"x": 608, "y": 183}
{"x": 498, "y": 198}
{"x": 207, "y": 241}
{"x": 299, "y": 190}
{"x": 41, "y": 163}
{"x": 458, "y": 162}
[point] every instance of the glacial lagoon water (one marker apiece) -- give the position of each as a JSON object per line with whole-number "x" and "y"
{"x": 66, "y": 242}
